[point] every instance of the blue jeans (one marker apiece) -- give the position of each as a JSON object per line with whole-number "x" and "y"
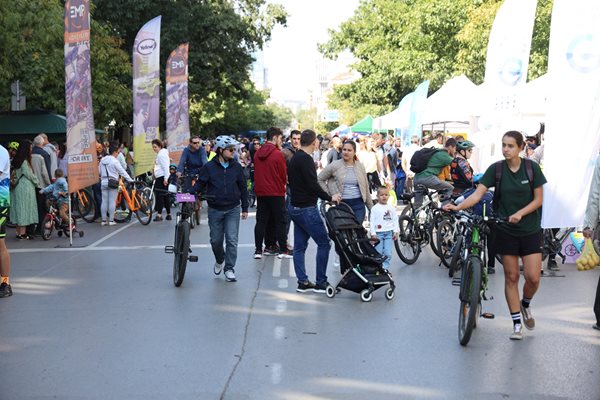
{"x": 224, "y": 225}
{"x": 386, "y": 242}
{"x": 308, "y": 224}
{"x": 358, "y": 207}
{"x": 400, "y": 186}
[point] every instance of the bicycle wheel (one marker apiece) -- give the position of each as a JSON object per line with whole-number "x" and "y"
{"x": 47, "y": 227}
{"x": 122, "y": 212}
{"x": 197, "y": 211}
{"x": 142, "y": 213}
{"x": 181, "y": 249}
{"x": 470, "y": 291}
{"x": 148, "y": 194}
{"x": 407, "y": 247}
{"x": 436, "y": 222}
{"x": 86, "y": 205}
{"x": 445, "y": 241}
{"x": 456, "y": 260}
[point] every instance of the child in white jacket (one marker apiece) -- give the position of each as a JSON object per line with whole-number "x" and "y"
{"x": 384, "y": 225}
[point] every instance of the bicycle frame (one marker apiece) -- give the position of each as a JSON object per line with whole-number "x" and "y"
{"x": 131, "y": 201}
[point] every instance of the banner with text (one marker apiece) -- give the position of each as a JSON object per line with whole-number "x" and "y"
{"x": 146, "y": 94}
{"x": 178, "y": 121}
{"x": 572, "y": 136}
{"x": 81, "y": 138}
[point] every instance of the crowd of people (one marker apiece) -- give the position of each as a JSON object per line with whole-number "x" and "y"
{"x": 288, "y": 178}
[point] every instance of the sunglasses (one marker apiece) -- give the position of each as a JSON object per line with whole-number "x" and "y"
{"x": 195, "y": 142}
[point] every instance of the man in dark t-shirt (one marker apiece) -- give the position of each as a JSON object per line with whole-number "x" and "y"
{"x": 304, "y": 192}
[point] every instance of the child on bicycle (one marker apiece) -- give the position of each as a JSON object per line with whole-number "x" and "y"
{"x": 384, "y": 225}
{"x": 60, "y": 194}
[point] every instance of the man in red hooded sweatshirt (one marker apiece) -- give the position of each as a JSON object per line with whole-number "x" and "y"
{"x": 270, "y": 177}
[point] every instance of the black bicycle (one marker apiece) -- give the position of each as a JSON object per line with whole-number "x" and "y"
{"x": 181, "y": 248}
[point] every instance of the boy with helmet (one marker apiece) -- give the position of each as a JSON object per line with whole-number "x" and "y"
{"x": 222, "y": 181}
{"x": 460, "y": 169}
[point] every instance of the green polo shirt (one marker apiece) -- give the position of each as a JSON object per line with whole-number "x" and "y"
{"x": 438, "y": 160}
{"x": 516, "y": 193}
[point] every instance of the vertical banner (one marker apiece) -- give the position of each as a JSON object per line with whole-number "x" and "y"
{"x": 178, "y": 122}
{"x": 416, "y": 111}
{"x": 81, "y": 137}
{"x": 572, "y": 136}
{"x": 146, "y": 94}
{"x": 404, "y": 109}
{"x": 506, "y": 67}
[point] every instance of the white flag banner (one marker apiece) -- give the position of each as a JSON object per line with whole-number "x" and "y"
{"x": 506, "y": 67}
{"x": 573, "y": 117}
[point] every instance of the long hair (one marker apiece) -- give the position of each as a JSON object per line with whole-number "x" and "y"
{"x": 23, "y": 154}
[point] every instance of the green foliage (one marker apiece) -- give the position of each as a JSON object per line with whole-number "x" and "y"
{"x": 400, "y": 43}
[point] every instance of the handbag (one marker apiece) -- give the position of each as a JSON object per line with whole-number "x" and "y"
{"x": 112, "y": 182}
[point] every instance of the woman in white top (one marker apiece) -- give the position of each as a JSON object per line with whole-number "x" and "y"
{"x": 368, "y": 159}
{"x": 161, "y": 180}
{"x": 109, "y": 167}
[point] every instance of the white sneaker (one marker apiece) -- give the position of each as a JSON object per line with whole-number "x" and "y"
{"x": 103, "y": 223}
{"x": 112, "y": 223}
{"x": 517, "y": 332}
{"x": 257, "y": 256}
{"x": 217, "y": 268}
{"x": 230, "y": 276}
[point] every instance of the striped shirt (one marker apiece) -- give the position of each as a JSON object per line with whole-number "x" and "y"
{"x": 351, "y": 188}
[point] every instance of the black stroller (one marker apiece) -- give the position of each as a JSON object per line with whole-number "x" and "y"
{"x": 360, "y": 263}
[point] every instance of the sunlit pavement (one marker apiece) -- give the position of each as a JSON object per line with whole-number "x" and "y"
{"x": 102, "y": 320}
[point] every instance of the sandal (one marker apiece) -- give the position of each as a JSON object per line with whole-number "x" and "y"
{"x": 157, "y": 218}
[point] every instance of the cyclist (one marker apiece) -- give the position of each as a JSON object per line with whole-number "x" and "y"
{"x": 222, "y": 180}
{"x": 192, "y": 159}
{"x": 429, "y": 177}
{"x": 12, "y": 149}
{"x": 522, "y": 236}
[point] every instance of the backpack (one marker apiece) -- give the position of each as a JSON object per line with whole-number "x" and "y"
{"x": 498, "y": 169}
{"x": 418, "y": 162}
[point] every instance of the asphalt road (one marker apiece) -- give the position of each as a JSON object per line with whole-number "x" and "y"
{"x": 102, "y": 320}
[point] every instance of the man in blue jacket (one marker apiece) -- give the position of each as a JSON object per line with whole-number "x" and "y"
{"x": 192, "y": 159}
{"x": 222, "y": 181}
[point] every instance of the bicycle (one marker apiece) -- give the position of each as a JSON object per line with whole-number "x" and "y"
{"x": 418, "y": 228}
{"x": 133, "y": 198}
{"x": 83, "y": 204}
{"x": 53, "y": 220}
{"x": 181, "y": 245}
{"x": 474, "y": 275}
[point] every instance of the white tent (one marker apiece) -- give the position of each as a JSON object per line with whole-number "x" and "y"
{"x": 456, "y": 100}
{"x": 397, "y": 119}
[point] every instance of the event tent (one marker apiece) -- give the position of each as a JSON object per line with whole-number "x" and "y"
{"x": 456, "y": 100}
{"x": 365, "y": 125}
{"x": 340, "y": 130}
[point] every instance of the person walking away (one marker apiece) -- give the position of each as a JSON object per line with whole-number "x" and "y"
{"x": 368, "y": 159}
{"x": 161, "y": 180}
{"x": 24, "y": 209}
{"x": 60, "y": 194}
{"x": 519, "y": 199}
{"x": 52, "y": 151}
{"x": 305, "y": 190}
{"x": 110, "y": 168}
{"x": 270, "y": 174}
{"x": 5, "y": 287}
{"x": 39, "y": 170}
{"x": 222, "y": 180}
{"x": 429, "y": 177}
{"x": 384, "y": 225}
{"x": 591, "y": 223}
{"x": 192, "y": 159}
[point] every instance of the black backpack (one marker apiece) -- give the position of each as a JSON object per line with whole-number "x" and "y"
{"x": 498, "y": 173}
{"x": 419, "y": 160}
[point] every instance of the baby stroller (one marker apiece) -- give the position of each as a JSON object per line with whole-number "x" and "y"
{"x": 360, "y": 263}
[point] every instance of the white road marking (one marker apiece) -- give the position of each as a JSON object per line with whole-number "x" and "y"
{"x": 281, "y": 306}
{"x": 101, "y": 248}
{"x": 96, "y": 243}
{"x": 276, "y": 372}
{"x": 276, "y": 267}
{"x": 283, "y": 284}
{"x": 279, "y": 332}
{"x": 292, "y": 271}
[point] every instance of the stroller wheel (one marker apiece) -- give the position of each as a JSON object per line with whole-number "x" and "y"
{"x": 330, "y": 291}
{"x": 366, "y": 295}
{"x": 389, "y": 293}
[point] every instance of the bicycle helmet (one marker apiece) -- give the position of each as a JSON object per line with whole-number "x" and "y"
{"x": 206, "y": 143}
{"x": 13, "y": 146}
{"x": 223, "y": 142}
{"x": 465, "y": 145}
{"x": 172, "y": 166}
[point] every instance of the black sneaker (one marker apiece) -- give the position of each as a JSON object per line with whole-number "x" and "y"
{"x": 168, "y": 218}
{"x": 321, "y": 287}
{"x": 271, "y": 251}
{"x": 552, "y": 265}
{"x": 5, "y": 290}
{"x": 491, "y": 270}
{"x": 304, "y": 287}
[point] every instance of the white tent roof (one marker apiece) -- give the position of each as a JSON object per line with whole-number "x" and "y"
{"x": 397, "y": 119}
{"x": 454, "y": 101}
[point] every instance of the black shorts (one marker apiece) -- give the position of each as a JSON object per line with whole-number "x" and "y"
{"x": 509, "y": 245}
{"x": 3, "y": 221}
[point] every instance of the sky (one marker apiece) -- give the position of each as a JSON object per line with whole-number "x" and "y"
{"x": 291, "y": 55}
